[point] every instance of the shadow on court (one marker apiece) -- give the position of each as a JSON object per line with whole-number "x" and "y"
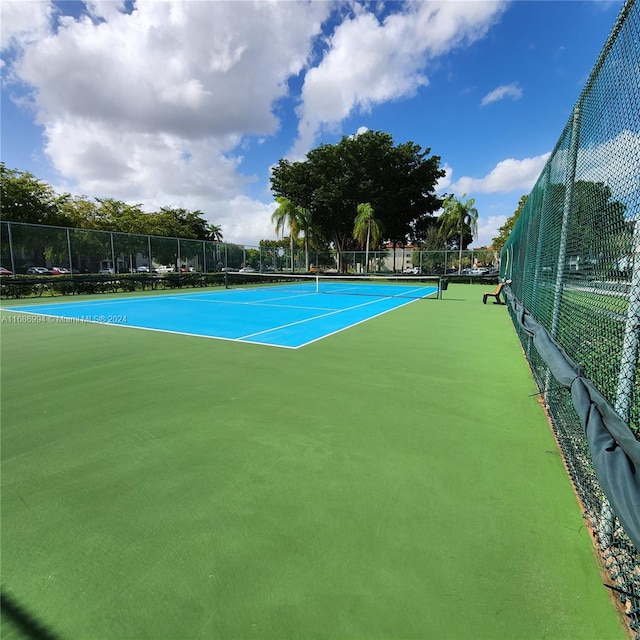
{"x": 23, "y": 621}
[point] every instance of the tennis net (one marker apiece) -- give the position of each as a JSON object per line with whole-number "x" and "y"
{"x": 388, "y": 286}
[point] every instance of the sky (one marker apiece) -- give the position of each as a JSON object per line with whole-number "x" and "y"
{"x": 191, "y": 103}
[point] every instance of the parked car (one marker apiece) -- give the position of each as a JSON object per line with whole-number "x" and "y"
{"x": 5, "y": 272}
{"x": 107, "y": 271}
{"x": 38, "y": 271}
{"x": 247, "y": 270}
{"x": 416, "y": 271}
{"x": 164, "y": 269}
{"x": 60, "y": 271}
{"x": 142, "y": 269}
{"x": 476, "y": 271}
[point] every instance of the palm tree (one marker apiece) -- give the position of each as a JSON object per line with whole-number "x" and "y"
{"x": 367, "y": 230}
{"x": 305, "y": 225}
{"x": 457, "y": 219}
{"x": 214, "y": 233}
{"x": 287, "y": 214}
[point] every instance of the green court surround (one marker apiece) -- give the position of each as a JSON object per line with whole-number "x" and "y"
{"x": 396, "y": 480}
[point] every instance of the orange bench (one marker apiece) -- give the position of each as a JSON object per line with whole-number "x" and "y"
{"x": 493, "y": 294}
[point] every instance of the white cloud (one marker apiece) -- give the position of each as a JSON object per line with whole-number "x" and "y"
{"x": 500, "y": 93}
{"x": 163, "y": 170}
{"x": 22, "y": 23}
{"x": 151, "y": 105}
{"x": 105, "y": 8}
{"x": 614, "y": 162}
{"x": 443, "y": 183}
{"x": 488, "y": 229}
{"x": 369, "y": 62}
{"x": 508, "y": 175}
{"x": 193, "y": 69}
{"x": 246, "y": 221}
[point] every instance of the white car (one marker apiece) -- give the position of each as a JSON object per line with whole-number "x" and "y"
{"x": 164, "y": 269}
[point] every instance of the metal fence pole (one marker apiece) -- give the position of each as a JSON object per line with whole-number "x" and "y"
{"x": 113, "y": 254}
{"x": 568, "y": 203}
{"x": 631, "y": 342}
{"x": 542, "y": 209}
{"x": 13, "y": 261}
{"x": 69, "y": 250}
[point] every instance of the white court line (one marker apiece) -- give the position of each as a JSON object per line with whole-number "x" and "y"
{"x": 266, "y": 303}
{"x": 322, "y": 315}
{"x": 295, "y": 296}
{"x": 354, "y": 324}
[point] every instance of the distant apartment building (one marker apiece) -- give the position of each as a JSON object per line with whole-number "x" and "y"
{"x": 398, "y": 259}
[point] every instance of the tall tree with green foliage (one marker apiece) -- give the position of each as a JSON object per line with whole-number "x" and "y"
{"x": 214, "y": 233}
{"x": 25, "y": 198}
{"x": 287, "y": 214}
{"x": 459, "y": 219}
{"x": 366, "y": 229}
{"x": 505, "y": 230}
{"x": 305, "y": 225}
{"x": 398, "y": 181}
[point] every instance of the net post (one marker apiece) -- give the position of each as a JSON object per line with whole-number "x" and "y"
{"x": 317, "y": 283}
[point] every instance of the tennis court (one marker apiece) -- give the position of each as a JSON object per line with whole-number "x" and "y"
{"x": 397, "y": 480}
{"x": 291, "y": 312}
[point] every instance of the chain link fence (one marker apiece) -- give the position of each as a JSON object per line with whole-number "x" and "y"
{"x": 26, "y": 247}
{"x": 573, "y": 259}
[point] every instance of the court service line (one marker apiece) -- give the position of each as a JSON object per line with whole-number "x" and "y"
{"x": 262, "y": 300}
{"x": 322, "y": 315}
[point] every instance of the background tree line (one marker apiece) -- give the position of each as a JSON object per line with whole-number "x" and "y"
{"x": 25, "y": 198}
{"x": 364, "y": 192}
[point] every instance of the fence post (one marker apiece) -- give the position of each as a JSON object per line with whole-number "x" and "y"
{"x": 13, "y": 262}
{"x": 541, "y": 209}
{"x": 113, "y": 254}
{"x": 631, "y": 342}
{"x": 568, "y": 203}
{"x": 69, "y": 250}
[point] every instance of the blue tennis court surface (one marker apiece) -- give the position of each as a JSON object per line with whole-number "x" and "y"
{"x": 288, "y": 315}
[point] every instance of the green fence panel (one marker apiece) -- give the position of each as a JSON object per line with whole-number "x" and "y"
{"x": 573, "y": 259}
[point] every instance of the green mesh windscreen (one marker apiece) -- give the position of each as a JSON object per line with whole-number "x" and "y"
{"x": 574, "y": 262}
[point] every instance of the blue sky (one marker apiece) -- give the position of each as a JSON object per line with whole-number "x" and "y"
{"x": 190, "y": 103}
